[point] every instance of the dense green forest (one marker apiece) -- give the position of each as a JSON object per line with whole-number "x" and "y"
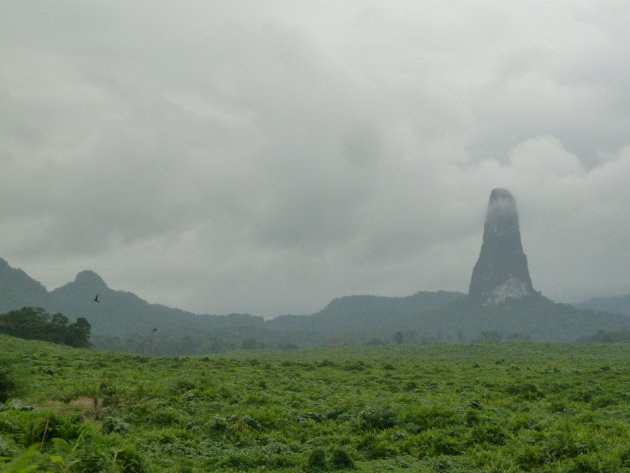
{"x": 35, "y": 323}
{"x": 475, "y": 408}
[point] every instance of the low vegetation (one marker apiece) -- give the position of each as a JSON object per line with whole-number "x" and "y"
{"x": 520, "y": 407}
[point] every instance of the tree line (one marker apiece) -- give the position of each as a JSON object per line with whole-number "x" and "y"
{"x": 34, "y": 323}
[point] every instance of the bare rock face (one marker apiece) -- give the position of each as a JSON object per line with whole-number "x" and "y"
{"x": 501, "y": 271}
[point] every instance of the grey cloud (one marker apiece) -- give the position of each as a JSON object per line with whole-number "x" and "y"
{"x": 268, "y": 157}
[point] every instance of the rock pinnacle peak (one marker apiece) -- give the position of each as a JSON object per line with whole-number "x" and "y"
{"x": 501, "y": 271}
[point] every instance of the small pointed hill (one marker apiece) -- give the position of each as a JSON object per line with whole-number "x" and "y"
{"x": 121, "y": 313}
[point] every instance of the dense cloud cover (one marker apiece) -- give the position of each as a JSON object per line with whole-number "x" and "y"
{"x": 266, "y": 157}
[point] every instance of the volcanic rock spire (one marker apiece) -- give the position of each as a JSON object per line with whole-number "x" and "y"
{"x": 501, "y": 271}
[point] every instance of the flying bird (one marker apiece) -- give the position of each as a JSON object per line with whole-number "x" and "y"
{"x": 96, "y": 298}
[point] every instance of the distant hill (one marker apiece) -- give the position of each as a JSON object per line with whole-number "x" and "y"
{"x": 451, "y": 317}
{"x": 532, "y": 317}
{"x": 618, "y": 304}
{"x": 121, "y": 320}
{"x": 120, "y": 313}
{"x": 368, "y": 316}
{"x": 18, "y": 289}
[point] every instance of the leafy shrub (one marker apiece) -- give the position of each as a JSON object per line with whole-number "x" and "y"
{"x": 624, "y": 456}
{"x": 471, "y": 417}
{"x": 420, "y": 418}
{"x": 441, "y": 443}
{"x": 317, "y": 460}
{"x": 337, "y": 413}
{"x": 65, "y": 427}
{"x": 603, "y": 401}
{"x": 529, "y": 457}
{"x": 217, "y": 425}
{"x": 525, "y": 391}
{"x": 129, "y": 460}
{"x": 183, "y": 385}
{"x": 340, "y": 460}
{"x": 592, "y": 463}
{"x": 23, "y": 463}
{"x": 584, "y": 395}
{"x": 93, "y": 459}
{"x": 355, "y": 366}
{"x": 109, "y": 393}
{"x": 41, "y": 427}
{"x": 244, "y": 423}
{"x": 475, "y": 404}
{"x": 442, "y": 465}
{"x": 116, "y": 425}
{"x": 374, "y": 447}
{"x": 374, "y": 418}
{"x": 410, "y": 386}
{"x": 165, "y": 417}
{"x": 241, "y": 460}
{"x": 566, "y": 442}
{"x": 7, "y": 385}
{"x": 488, "y": 433}
{"x": 561, "y": 407}
{"x": 6, "y": 449}
{"x": 398, "y": 435}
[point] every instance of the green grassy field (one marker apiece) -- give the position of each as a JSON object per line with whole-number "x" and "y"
{"x": 464, "y": 408}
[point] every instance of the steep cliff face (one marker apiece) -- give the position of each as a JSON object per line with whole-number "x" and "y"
{"x": 501, "y": 271}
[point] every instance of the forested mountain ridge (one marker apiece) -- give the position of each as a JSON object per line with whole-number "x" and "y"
{"x": 120, "y": 313}
{"x": 366, "y": 313}
{"x": 121, "y": 320}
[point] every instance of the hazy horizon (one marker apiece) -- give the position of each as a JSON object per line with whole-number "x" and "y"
{"x": 267, "y": 158}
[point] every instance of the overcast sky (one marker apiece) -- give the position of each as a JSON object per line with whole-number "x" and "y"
{"x": 268, "y": 156}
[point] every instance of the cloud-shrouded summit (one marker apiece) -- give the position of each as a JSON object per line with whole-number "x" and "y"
{"x": 501, "y": 271}
{"x": 267, "y": 157}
